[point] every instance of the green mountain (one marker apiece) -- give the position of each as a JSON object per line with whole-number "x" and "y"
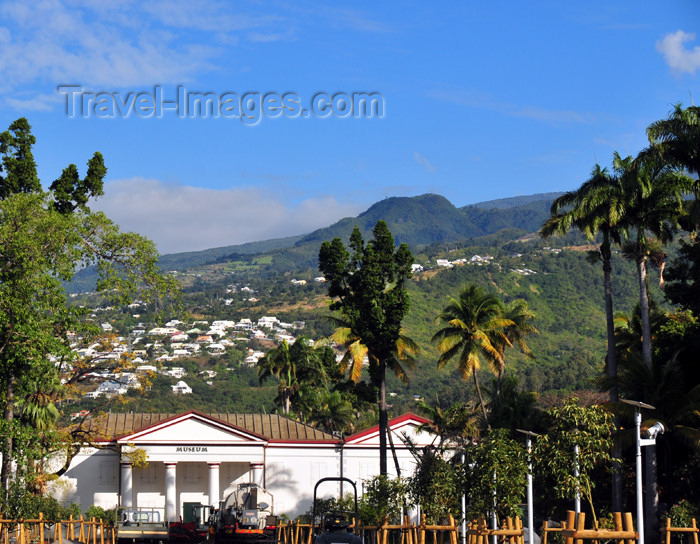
{"x": 420, "y": 221}
{"x": 417, "y": 221}
{"x": 515, "y": 201}
{"x": 554, "y": 277}
{"x": 191, "y": 259}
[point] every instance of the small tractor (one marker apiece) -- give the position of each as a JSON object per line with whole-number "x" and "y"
{"x": 245, "y": 516}
{"x": 334, "y": 527}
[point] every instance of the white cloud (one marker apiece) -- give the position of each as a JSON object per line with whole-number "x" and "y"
{"x": 423, "y": 161}
{"x": 33, "y": 102}
{"x": 185, "y": 218}
{"x": 120, "y": 44}
{"x": 675, "y": 53}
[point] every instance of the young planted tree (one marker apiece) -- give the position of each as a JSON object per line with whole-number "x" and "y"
{"x": 579, "y": 440}
{"x": 495, "y": 475}
{"x": 368, "y": 288}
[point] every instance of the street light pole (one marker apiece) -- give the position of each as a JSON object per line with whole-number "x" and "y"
{"x": 577, "y": 499}
{"x": 638, "y": 427}
{"x": 640, "y": 507}
{"x": 530, "y": 508}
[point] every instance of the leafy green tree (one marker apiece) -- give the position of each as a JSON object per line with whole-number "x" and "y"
{"x": 41, "y": 248}
{"x": 71, "y": 192}
{"x": 383, "y": 498}
{"x": 18, "y": 160}
{"x": 435, "y": 485}
{"x": 474, "y": 328}
{"x": 495, "y": 475}
{"x": 368, "y": 289}
{"x": 572, "y": 425}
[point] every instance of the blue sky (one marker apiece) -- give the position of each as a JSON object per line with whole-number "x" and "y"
{"x": 481, "y": 100}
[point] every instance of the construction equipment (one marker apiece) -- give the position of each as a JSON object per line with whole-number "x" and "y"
{"x": 335, "y": 526}
{"x": 141, "y": 526}
{"x": 194, "y": 526}
{"x": 245, "y": 516}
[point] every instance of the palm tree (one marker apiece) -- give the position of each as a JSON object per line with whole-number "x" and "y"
{"x": 331, "y": 410}
{"x": 678, "y": 137}
{"x": 474, "y": 328}
{"x": 654, "y": 193}
{"x": 357, "y": 355}
{"x": 457, "y": 425}
{"x": 595, "y": 207}
{"x": 515, "y": 334}
{"x": 293, "y": 366}
{"x": 38, "y": 408}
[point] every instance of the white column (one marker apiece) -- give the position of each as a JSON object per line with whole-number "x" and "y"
{"x": 170, "y": 492}
{"x": 256, "y": 473}
{"x": 214, "y": 484}
{"x": 126, "y": 492}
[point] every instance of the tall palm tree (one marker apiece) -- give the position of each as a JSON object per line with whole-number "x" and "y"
{"x": 678, "y": 137}
{"x": 595, "y": 207}
{"x": 598, "y": 206}
{"x": 654, "y": 194}
{"x": 474, "y": 329}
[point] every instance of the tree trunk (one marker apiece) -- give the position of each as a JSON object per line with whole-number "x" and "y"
{"x": 287, "y": 402}
{"x": 612, "y": 370}
{"x": 6, "y": 467}
{"x": 481, "y": 400}
{"x": 651, "y": 497}
{"x": 644, "y": 310}
{"x": 393, "y": 452}
{"x": 383, "y": 420}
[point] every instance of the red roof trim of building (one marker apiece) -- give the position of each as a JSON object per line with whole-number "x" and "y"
{"x": 392, "y": 423}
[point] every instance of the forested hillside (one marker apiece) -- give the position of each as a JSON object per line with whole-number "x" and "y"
{"x": 563, "y": 289}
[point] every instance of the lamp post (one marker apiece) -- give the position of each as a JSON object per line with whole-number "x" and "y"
{"x": 648, "y": 442}
{"x": 530, "y": 509}
{"x": 577, "y": 498}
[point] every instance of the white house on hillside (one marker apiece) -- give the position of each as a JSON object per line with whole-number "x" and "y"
{"x": 181, "y": 388}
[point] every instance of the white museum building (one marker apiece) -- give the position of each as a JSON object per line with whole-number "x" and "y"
{"x": 198, "y": 457}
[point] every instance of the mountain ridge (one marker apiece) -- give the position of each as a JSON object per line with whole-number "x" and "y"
{"x": 416, "y": 220}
